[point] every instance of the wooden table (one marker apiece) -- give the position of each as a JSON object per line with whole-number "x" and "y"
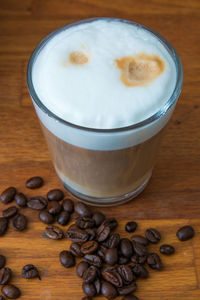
{"x": 172, "y": 198}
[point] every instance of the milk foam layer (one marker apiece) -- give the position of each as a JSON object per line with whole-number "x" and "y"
{"x": 92, "y": 94}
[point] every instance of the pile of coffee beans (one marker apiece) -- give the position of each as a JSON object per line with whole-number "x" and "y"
{"x": 110, "y": 265}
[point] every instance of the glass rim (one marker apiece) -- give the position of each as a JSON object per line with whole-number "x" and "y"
{"x": 168, "y": 104}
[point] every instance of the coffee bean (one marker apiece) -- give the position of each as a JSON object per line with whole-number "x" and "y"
{"x": 126, "y": 247}
{"x": 130, "y": 297}
{"x": 91, "y": 233}
{"x": 55, "y": 195}
{"x": 63, "y": 218}
{"x": 122, "y": 260}
{"x": 81, "y": 268}
{"x": 83, "y": 210}
{"x": 8, "y": 195}
{"x": 139, "y": 259}
{"x": 84, "y": 222}
{"x": 94, "y": 260}
{"x": 140, "y": 239}
{"x": 154, "y": 262}
{"x": 3, "y": 225}
{"x": 185, "y": 233}
{"x": 46, "y": 217}
{"x": 19, "y": 222}
{"x": 75, "y": 249}
{"x": 5, "y": 275}
{"x": 34, "y": 182}
{"x": 68, "y": 205}
{"x": 139, "y": 271}
{"x": 89, "y": 289}
{"x": 108, "y": 290}
{"x": 10, "y": 212}
{"x": 126, "y": 274}
{"x": 76, "y": 234}
{"x": 111, "y": 223}
{"x": 167, "y": 249}
{"x": 112, "y": 276}
{"x": 89, "y": 247}
{"x": 113, "y": 240}
{"x": 2, "y": 261}
{"x": 54, "y": 232}
{"x": 127, "y": 289}
{"x": 98, "y": 218}
{"x": 97, "y": 284}
{"x": 54, "y": 207}
{"x": 139, "y": 249}
{"x": 30, "y": 271}
{"x": 102, "y": 251}
{"x": 67, "y": 259}
{"x": 102, "y": 232}
{"x": 84, "y": 298}
{"x": 11, "y": 291}
{"x": 21, "y": 199}
{"x": 90, "y": 274}
{"x": 2, "y": 298}
{"x": 111, "y": 256}
{"x": 153, "y": 235}
{"x": 37, "y": 203}
{"x": 130, "y": 226}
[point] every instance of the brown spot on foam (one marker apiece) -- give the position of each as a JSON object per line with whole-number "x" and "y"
{"x": 78, "y": 58}
{"x": 140, "y": 70}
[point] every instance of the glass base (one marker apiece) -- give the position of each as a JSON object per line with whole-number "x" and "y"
{"x": 113, "y": 201}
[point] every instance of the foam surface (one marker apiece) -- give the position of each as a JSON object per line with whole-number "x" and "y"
{"x": 91, "y": 93}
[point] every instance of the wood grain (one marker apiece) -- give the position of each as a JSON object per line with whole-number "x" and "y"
{"x": 172, "y": 198}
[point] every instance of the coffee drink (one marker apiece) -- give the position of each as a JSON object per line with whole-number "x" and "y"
{"x": 101, "y": 89}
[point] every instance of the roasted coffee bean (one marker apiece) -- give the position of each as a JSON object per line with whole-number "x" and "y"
{"x": 83, "y": 210}
{"x": 126, "y": 274}
{"x": 102, "y": 251}
{"x": 55, "y": 195}
{"x": 167, "y": 249}
{"x": 130, "y": 297}
{"x": 122, "y": 260}
{"x": 127, "y": 289}
{"x": 84, "y": 222}
{"x": 21, "y": 199}
{"x": 11, "y": 291}
{"x": 34, "y": 182}
{"x": 81, "y": 268}
{"x": 46, "y": 217}
{"x": 3, "y": 225}
{"x": 108, "y": 290}
{"x": 2, "y": 298}
{"x": 37, "y": 203}
{"x": 102, "y": 232}
{"x": 63, "y": 218}
{"x": 111, "y": 256}
{"x": 139, "y": 249}
{"x": 139, "y": 271}
{"x": 111, "y": 223}
{"x": 54, "y": 232}
{"x": 154, "y": 262}
{"x": 98, "y": 218}
{"x": 112, "y": 276}
{"x": 2, "y": 261}
{"x": 68, "y": 205}
{"x": 185, "y": 233}
{"x": 8, "y": 195}
{"x": 113, "y": 240}
{"x": 75, "y": 249}
{"x": 54, "y": 207}
{"x": 126, "y": 248}
{"x": 153, "y": 235}
{"x": 84, "y": 298}
{"x": 76, "y": 234}
{"x": 138, "y": 259}
{"x": 91, "y": 233}
{"x": 89, "y": 289}
{"x": 89, "y": 247}
{"x": 5, "y": 275}
{"x": 10, "y": 212}
{"x": 30, "y": 271}
{"x": 19, "y": 222}
{"x": 94, "y": 260}
{"x": 67, "y": 259}
{"x": 97, "y": 284}
{"x": 130, "y": 226}
{"x": 90, "y": 274}
{"x": 140, "y": 239}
